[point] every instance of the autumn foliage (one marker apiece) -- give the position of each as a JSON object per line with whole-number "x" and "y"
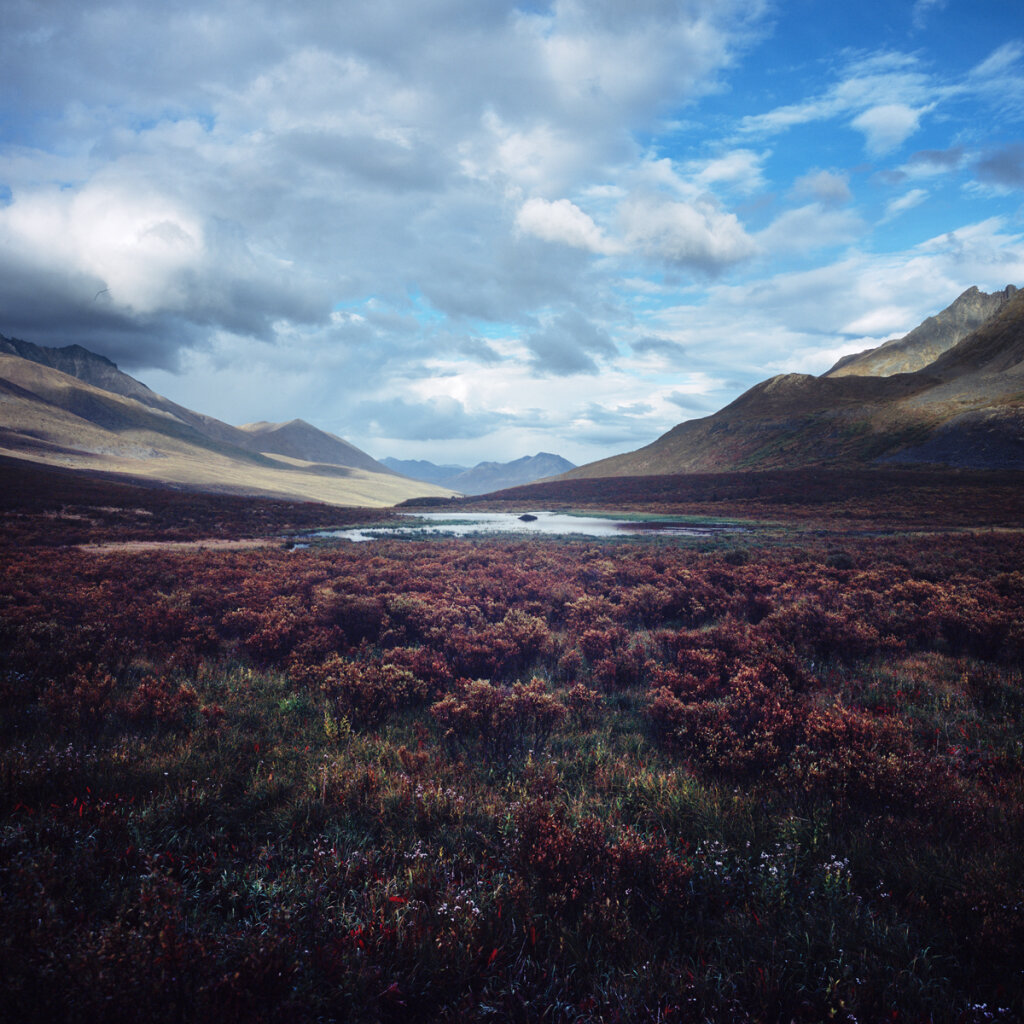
{"x": 493, "y": 780}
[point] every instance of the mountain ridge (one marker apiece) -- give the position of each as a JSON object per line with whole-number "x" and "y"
{"x": 930, "y": 339}
{"x": 60, "y": 419}
{"x": 298, "y": 439}
{"x": 484, "y": 477}
{"x": 963, "y": 408}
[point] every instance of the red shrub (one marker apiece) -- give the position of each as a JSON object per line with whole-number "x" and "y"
{"x": 161, "y": 700}
{"x": 496, "y": 722}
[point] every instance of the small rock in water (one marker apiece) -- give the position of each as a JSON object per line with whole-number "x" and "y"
{"x": 527, "y": 518}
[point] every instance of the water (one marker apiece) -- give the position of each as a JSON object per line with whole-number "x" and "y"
{"x": 474, "y": 524}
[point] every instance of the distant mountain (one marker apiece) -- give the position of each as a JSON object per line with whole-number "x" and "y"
{"x": 420, "y": 469}
{"x": 964, "y": 407}
{"x": 52, "y": 412}
{"x": 485, "y": 476}
{"x": 298, "y": 439}
{"x": 495, "y": 476}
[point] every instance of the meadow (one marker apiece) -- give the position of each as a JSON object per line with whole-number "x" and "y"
{"x": 769, "y": 777}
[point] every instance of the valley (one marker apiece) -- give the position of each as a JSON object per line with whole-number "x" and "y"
{"x": 412, "y": 779}
{"x": 511, "y": 512}
{"x": 750, "y": 750}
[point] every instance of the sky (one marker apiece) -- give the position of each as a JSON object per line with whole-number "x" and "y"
{"x": 466, "y": 230}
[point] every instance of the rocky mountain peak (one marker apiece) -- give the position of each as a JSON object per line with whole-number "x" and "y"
{"x": 927, "y": 342}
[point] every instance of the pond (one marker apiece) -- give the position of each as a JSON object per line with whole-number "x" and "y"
{"x": 534, "y": 523}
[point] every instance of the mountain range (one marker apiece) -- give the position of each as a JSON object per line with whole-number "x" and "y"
{"x": 485, "y": 476}
{"x": 949, "y": 393}
{"x": 73, "y": 408}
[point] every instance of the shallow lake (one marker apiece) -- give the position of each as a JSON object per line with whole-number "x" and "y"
{"x": 471, "y": 524}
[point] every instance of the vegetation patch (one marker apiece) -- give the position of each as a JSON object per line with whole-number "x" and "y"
{"x": 564, "y": 781}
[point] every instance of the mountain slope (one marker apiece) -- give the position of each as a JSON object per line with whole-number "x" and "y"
{"x": 929, "y": 340}
{"x": 298, "y": 439}
{"x": 100, "y": 372}
{"x": 81, "y": 363}
{"x": 52, "y": 417}
{"x": 965, "y": 408}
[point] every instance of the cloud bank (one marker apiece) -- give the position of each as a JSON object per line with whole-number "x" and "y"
{"x": 410, "y": 222}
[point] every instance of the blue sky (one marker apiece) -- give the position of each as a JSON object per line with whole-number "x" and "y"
{"x": 465, "y": 229}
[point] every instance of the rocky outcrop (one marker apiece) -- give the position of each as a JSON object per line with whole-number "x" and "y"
{"x": 924, "y": 344}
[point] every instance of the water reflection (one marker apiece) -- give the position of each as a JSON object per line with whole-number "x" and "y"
{"x": 473, "y": 524}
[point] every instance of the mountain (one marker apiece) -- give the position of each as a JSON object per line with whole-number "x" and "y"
{"x": 926, "y": 343}
{"x": 85, "y": 365}
{"x": 298, "y": 439}
{"x": 420, "y": 469}
{"x": 485, "y": 476}
{"x": 100, "y": 372}
{"x": 60, "y": 418}
{"x": 964, "y": 407}
{"x": 495, "y": 476}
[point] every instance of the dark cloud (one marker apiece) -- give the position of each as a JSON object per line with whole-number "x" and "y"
{"x": 54, "y": 311}
{"x": 380, "y": 164}
{"x": 892, "y": 176}
{"x": 1003, "y": 166}
{"x": 438, "y": 419}
{"x": 568, "y": 345}
{"x": 938, "y": 158}
{"x": 658, "y": 346}
{"x": 478, "y": 350}
{"x": 620, "y": 426}
{"x": 694, "y": 404}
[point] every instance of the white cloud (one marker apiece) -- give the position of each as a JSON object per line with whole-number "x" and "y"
{"x": 928, "y": 163}
{"x": 632, "y": 57}
{"x": 810, "y": 227}
{"x": 883, "y": 321}
{"x": 923, "y": 8}
{"x": 137, "y": 246}
{"x": 563, "y": 221}
{"x": 740, "y": 169}
{"x": 999, "y": 60}
{"x": 887, "y": 126}
{"x": 697, "y": 235}
{"x": 829, "y": 187}
{"x": 884, "y": 95}
{"x": 907, "y": 201}
{"x": 879, "y": 79}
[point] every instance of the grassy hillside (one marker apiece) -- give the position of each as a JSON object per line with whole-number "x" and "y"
{"x": 49, "y": 417}
{"x": 964, "y": 409}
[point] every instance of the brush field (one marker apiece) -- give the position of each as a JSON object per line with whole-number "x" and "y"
{"x": 774, "y": 777}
